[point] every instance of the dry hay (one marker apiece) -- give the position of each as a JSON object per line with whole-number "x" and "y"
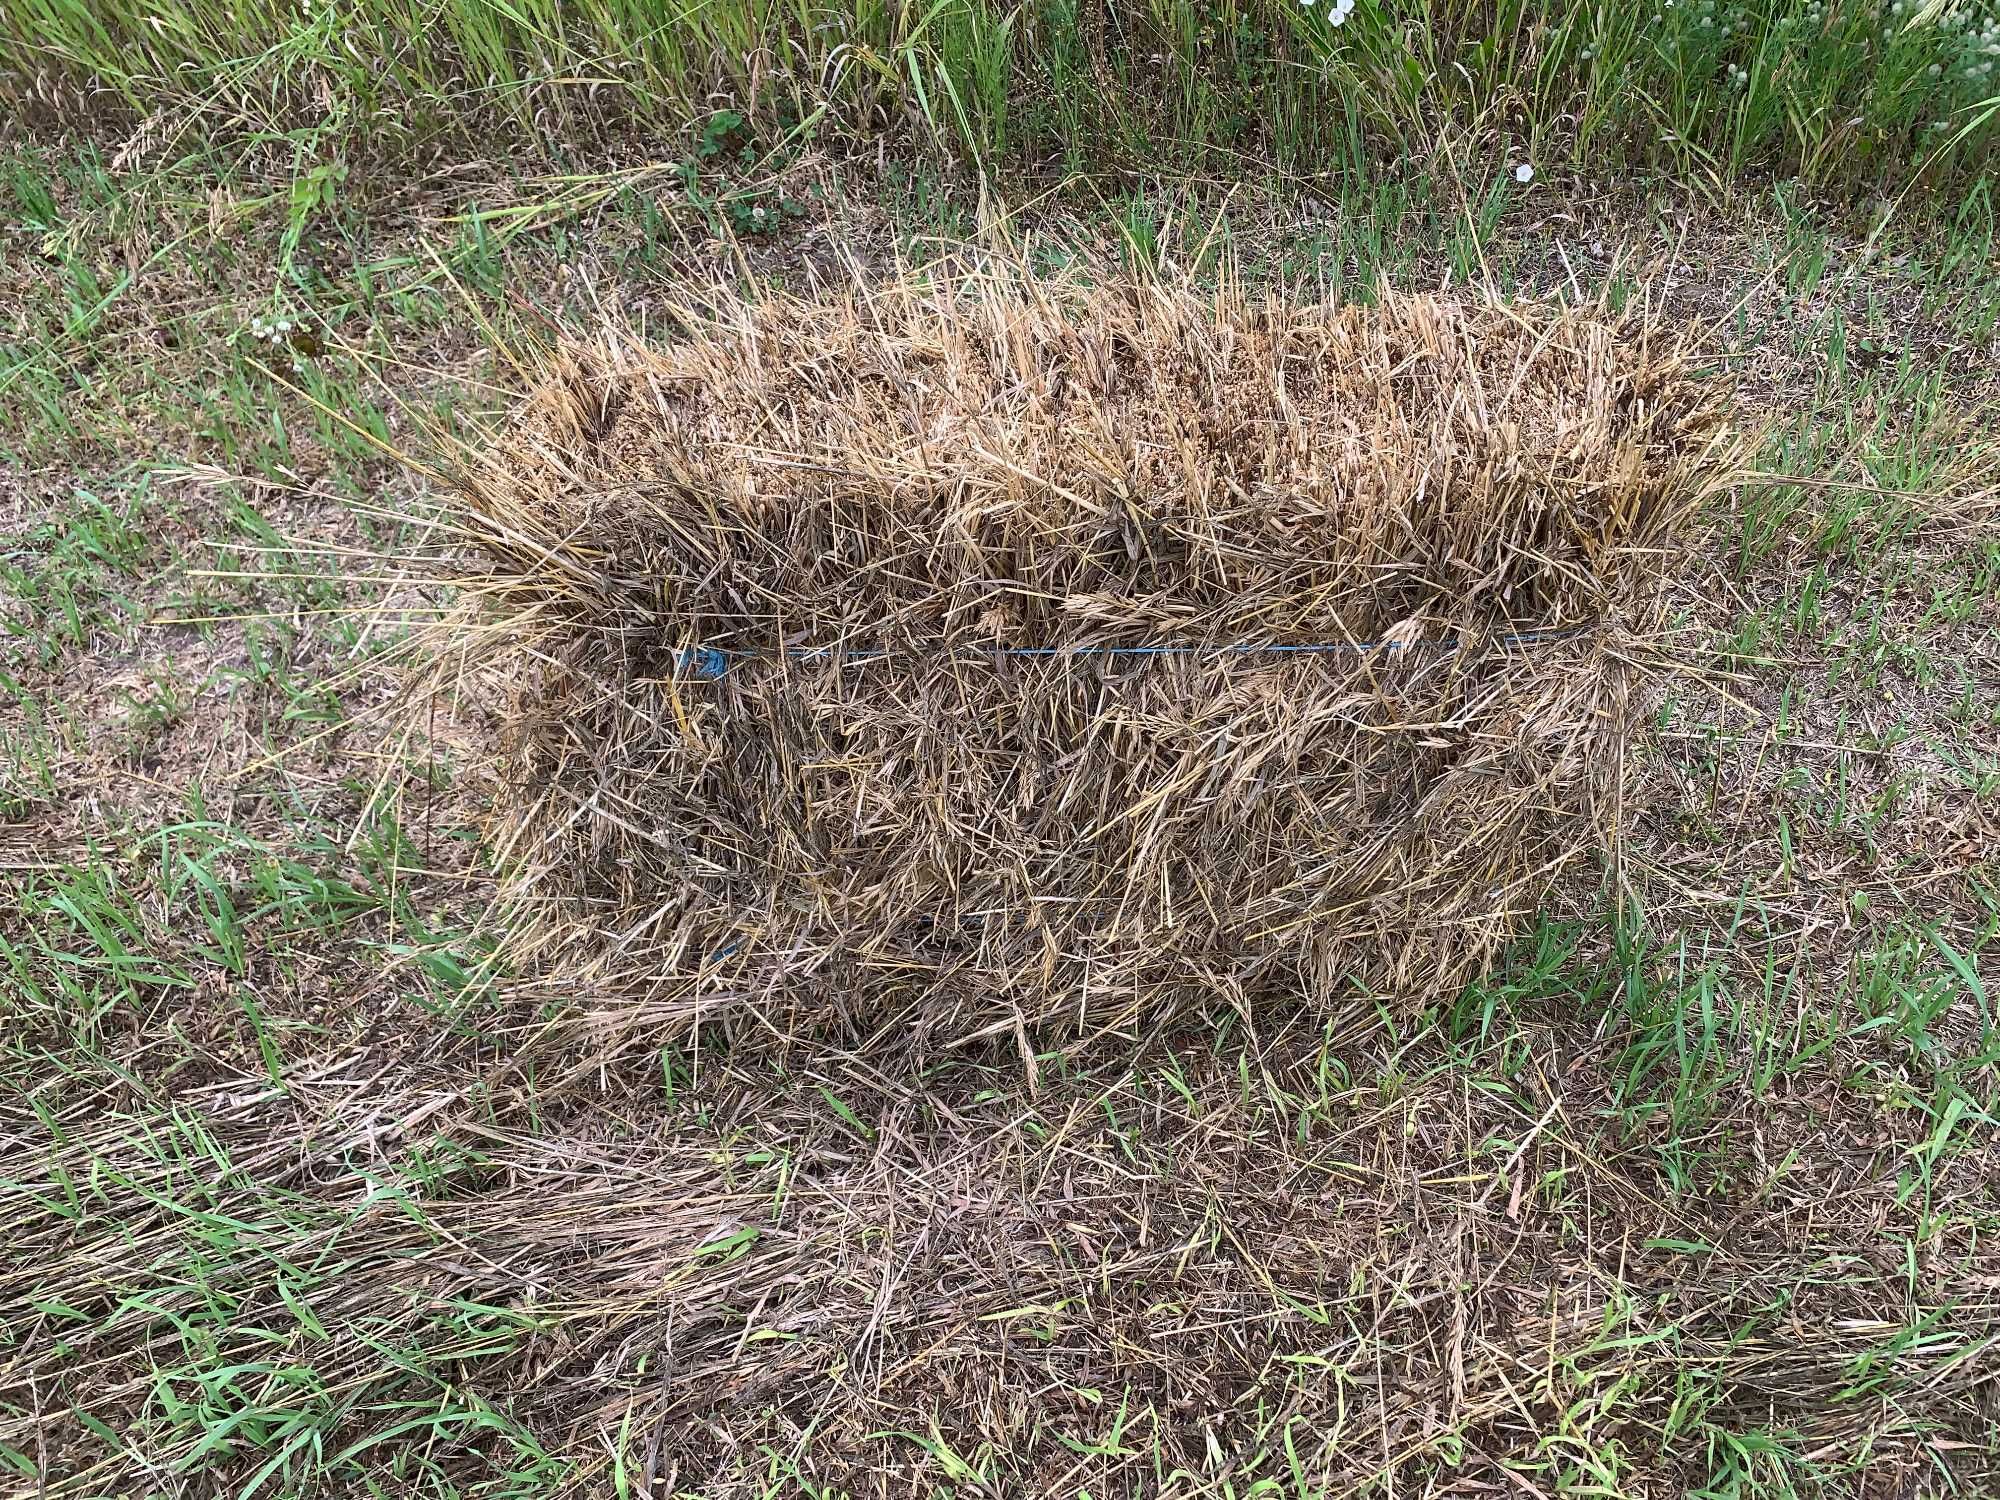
{"x": 1083, "y": 652}
{"x": 1214, "y": 1273}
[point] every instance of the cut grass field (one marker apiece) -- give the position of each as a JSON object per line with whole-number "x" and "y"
{"x": 301, "y": 1195}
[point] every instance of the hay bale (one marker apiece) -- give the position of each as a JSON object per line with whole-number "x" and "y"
{"x": 982, "y": 655}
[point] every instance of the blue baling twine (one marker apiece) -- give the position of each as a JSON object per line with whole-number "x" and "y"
{"x": 712, "y": 662}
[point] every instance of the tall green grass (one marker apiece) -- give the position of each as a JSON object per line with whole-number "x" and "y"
{"x": 1834, "y": 91}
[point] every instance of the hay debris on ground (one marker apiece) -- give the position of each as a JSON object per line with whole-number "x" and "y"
{"x": 1190, "y": 1272}
{"x": 972, "y": 655}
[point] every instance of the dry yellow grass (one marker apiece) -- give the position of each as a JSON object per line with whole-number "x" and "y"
{"x": 972, "y": 655}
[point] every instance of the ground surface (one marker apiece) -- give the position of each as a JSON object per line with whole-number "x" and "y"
{"x": 1698, "y": 1194}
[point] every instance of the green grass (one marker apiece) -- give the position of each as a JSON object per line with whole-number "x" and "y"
{"x": 1832, "y": 91}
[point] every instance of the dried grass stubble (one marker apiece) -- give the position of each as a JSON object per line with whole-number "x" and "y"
{"x": 1125, "y": 1278}
{"x": 879, "y": 820}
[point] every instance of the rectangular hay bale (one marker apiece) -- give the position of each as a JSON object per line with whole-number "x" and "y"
{"x": 989, "y": 656}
